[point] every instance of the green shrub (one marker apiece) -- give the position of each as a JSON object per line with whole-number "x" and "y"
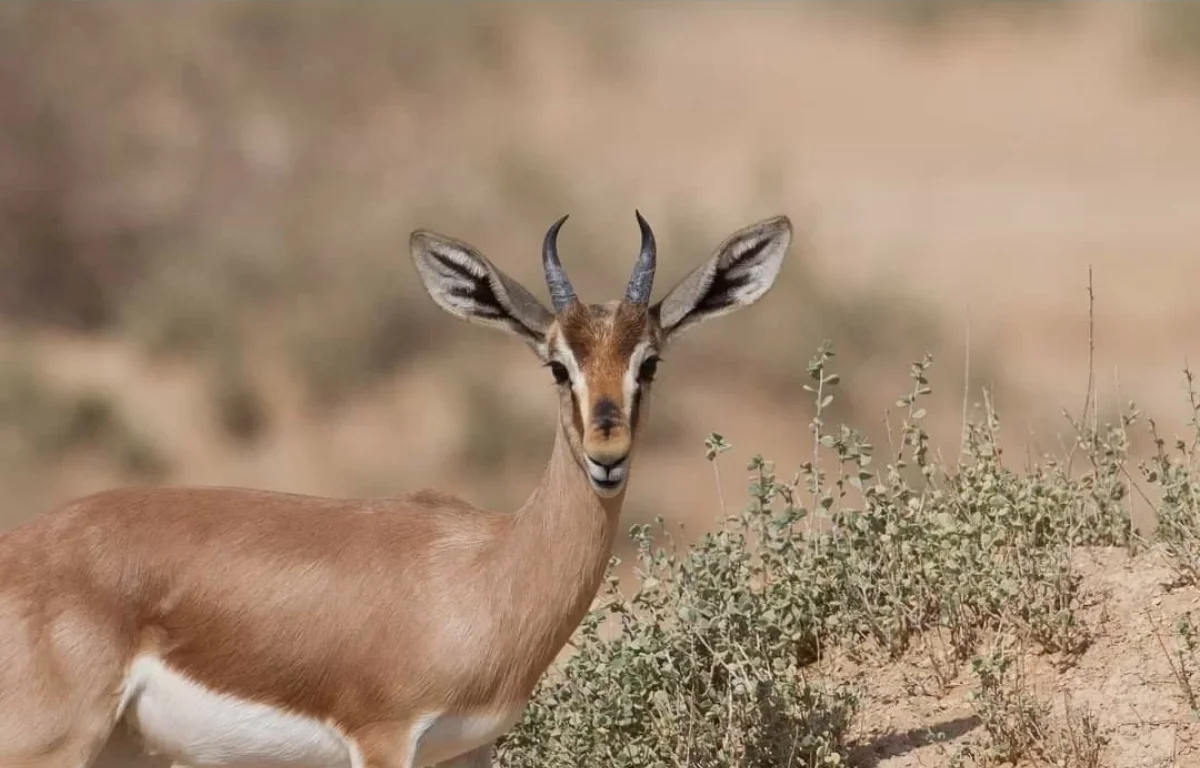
{"x": 1176, "y": 475}
{"x": 711, "y": 660}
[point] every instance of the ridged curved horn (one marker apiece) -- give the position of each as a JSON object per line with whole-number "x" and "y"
{"x": 561, "y": 291}
{"x": 642, "y": 280}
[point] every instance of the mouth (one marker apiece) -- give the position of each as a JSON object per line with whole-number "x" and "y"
{"x": 607, "y": 478}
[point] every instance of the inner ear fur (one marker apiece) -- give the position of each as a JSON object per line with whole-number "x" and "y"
{"x": 739, "y": 273}
{"x": 462, "y": 281}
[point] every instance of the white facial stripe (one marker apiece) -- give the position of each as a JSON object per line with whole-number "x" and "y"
{"x": 631, "y": 376}
{"x": 562, "y": 353}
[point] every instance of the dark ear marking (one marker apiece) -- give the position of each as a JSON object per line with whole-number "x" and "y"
{"x": 478, "y": 291}
{"x": 741, "y": 271}
{"x": 726, "y": 284}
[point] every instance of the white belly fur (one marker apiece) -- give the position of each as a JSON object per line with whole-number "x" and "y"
{"x": 196, "y": 726}
{"x": 443, "y": 737}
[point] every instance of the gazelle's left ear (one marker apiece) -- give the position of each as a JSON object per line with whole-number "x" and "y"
{"x": 742, "y": 269}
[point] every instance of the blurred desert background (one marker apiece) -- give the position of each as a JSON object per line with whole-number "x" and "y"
{"x": 204, "y": 215}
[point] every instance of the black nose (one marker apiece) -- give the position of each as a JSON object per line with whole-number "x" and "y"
{"x": 606, "y": 416}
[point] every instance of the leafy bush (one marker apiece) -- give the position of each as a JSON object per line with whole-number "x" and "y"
{"x": 1176, "y": 475}
{"x": 1018, "y": 723}
{"x": 701, "y": 672}
{"x": 710, "y": 662}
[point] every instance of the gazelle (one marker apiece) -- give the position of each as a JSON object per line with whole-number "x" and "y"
{"x": 232, "y": 626}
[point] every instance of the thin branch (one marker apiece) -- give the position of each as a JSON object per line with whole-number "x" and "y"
{"x": 1091, "y": 379}
{"x": 962, "y": 447}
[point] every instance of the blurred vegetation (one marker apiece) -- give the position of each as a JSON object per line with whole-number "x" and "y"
{"x": 231, "y": 186}
{"x": 183, "y": 177}
{"x": 1173, "y": 34}
{"x": 42, "y": 423}
{"x": 925, "y": 19}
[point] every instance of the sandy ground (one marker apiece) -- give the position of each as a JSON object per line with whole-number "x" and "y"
{"x": 1124, "y": 678}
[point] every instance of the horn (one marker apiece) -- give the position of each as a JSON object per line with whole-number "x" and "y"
{"x": 642, "y": 280}
{"x": 561, "y": 292}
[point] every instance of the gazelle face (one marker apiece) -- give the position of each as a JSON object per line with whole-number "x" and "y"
{"x": 603, "y": 357}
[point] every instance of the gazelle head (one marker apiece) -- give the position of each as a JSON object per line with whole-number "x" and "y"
{"x": 602, "y": 356}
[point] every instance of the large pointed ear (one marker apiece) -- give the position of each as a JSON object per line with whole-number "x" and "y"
{"x": 742, "y": 269}
{"x": 465, "y": 284}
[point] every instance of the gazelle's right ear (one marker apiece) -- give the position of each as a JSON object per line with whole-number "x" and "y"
{"x": 464, "y": 283}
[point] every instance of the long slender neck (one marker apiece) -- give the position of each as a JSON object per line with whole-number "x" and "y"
{"x": 566, "y": 535}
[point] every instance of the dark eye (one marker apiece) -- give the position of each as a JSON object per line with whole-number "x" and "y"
{"x": 561, "y": 375}
{"x": 648, "y": 369}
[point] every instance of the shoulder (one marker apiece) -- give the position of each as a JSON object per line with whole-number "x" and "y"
{"x": 431, "y": 498}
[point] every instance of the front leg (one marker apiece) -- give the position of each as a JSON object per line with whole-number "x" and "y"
{"x": 479, "y": 758}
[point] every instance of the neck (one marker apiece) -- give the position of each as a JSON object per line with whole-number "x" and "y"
{"x": 564, "y": 538}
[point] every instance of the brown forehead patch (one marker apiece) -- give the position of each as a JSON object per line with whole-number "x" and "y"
{"x": 612, "y": 329}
